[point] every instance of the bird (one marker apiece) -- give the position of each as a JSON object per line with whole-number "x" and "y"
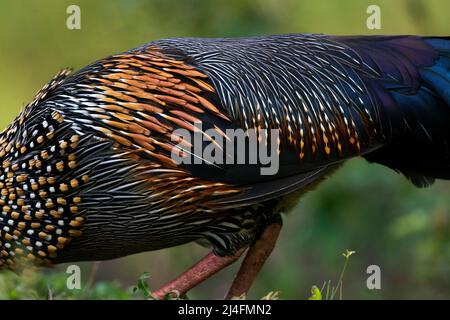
{"x": 90, "y": 168}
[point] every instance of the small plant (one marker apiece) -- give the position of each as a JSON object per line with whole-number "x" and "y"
{"x": 272, "y": 295}
{"x": 328, "y": 291}
{"x": 143, "y": 289}
{"x": 142, "y": 286}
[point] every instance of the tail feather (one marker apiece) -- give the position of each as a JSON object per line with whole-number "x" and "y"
{"x": 420, "y": 89}
{"x": 438, "y": 76}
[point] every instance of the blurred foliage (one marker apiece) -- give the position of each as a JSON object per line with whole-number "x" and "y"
{"x": 404, "y": 230}
{"x": 52, "y": 286}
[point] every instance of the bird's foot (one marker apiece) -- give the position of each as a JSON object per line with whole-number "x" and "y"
{"x": 254, "y": 260}
{"x": 256, "y": 256}
{"x": 199, "y": 272}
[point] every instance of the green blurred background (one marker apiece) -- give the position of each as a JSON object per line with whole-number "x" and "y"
{"x": 366, "y": 208}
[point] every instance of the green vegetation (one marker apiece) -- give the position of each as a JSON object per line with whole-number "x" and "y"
{"x": 376, "y": 212}
{"x": 42, "y": 286}
{"x": 53, "y": 286}
{"x": 328, "y": 291}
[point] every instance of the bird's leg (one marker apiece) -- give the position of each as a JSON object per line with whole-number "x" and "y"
{"x": 257, "y": 254}
{"x": 199, "y": 272}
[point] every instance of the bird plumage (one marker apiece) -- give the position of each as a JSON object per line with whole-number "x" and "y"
{"x": 87, "y": 168}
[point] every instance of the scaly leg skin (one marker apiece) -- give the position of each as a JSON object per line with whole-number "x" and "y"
{"x": 257, "y": 254}
{"x": 199, "y": 272}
